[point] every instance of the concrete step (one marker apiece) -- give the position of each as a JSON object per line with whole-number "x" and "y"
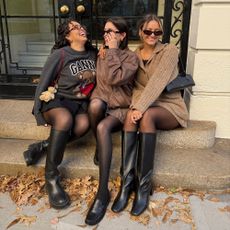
{"x": 205, "y": 169}
{"x": 17, "y": 122}
{"x": 38, "y": 46}
{"x": 33, "y": 57}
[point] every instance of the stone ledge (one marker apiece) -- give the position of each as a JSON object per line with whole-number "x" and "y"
{"x": 17, "y": 122}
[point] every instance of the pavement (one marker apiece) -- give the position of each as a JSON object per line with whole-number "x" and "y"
{"x": 175, "y": 211}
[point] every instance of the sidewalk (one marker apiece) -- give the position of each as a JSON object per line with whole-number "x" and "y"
{"x": 168, "y": 210}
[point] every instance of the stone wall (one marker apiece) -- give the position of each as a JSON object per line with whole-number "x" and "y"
{"x": 209, "y": 63}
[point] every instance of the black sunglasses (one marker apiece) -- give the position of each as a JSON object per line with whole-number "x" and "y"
{"x": 109, "y": 31}
{"x": 155, "y": 32}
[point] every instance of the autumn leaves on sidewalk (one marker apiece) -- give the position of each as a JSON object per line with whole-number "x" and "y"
{"x": 166, "y": 205}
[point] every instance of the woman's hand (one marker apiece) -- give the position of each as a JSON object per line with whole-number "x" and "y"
{"x": 112, "y": 41}
{"x": 135, "y": 116}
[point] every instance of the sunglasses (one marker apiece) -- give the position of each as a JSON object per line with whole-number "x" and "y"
{"x": 110, "y": 30}
{"x": 155, "y": 32}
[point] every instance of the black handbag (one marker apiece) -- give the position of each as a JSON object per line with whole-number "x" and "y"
{"x": 181, "y": 82}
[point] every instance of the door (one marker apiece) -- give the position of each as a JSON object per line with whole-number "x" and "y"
{"x": 28, "y": 31}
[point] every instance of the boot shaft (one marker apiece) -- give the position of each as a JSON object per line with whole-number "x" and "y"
{"x": 129, "y": 151}
{"x": 56, "y": 148}
{"x": 146, "y": 153}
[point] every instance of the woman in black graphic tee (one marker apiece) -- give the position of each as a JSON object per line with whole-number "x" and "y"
{"x": 71, "y": 65}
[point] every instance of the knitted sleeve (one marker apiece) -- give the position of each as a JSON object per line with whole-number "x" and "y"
{"x": 159, "y": 79}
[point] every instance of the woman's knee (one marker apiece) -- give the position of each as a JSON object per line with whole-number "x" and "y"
{"x": 103, "y": 129}
{"x": 81, "y": 125}
{"x": 64, "y": 121}
{"x": 148, "y": 121}
{"x": 95, "y": 106}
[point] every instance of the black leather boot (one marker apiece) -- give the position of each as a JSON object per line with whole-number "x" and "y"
{"x": 58, "y": 198}
{"x": 97, "y": 210}
{"x": 128, "y": 162}
{"x": 146, "y": 150}
{"x": 35, "y": 152}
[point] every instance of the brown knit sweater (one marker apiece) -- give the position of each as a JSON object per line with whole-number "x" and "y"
{"x": 151, "y": 80}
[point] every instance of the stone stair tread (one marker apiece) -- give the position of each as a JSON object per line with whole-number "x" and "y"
{"x": 16, "y": 121}
{"x": 207, "y": 169}
{"x": 30, "y": 64}
{"x": 32, "y": 53}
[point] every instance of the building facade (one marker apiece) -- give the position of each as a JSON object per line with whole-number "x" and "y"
{"x": 28, "y": 31}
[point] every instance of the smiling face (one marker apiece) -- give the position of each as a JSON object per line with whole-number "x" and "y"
{"x": 145, "y": 34}
{"x": 76, "y": 32}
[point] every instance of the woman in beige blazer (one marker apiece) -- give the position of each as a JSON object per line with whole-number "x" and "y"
{"x": 152, "y": 108}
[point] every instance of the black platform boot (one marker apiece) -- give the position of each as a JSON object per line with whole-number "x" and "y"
{"x": 128, "y": 162}
{"x": 35, "y": 152}
{"x": 58, "y": 198}
{"x": 146, "y": 150}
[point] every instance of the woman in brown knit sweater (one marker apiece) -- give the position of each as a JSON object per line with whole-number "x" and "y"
{"x": 151, "y": 109}
{"x": 116, "y": 70}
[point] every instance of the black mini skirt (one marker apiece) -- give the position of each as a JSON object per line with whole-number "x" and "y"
{"x": 74, "y": 106}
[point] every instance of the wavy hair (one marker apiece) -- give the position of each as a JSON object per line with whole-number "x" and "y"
{"x": 62, "y": 32}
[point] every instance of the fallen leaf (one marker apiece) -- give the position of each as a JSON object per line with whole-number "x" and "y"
{"x": 54, "y": 220}
{"x": 13, "y": 223}
{"x": 225, "y": 209}
{"x": 82, "y": 226}
{"x": 28, "y": 219}
{"x": 214, "y": 199}
{"x": 167, "y": 216}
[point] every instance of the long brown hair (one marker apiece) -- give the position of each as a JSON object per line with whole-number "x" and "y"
{"x": 147, "y": 18}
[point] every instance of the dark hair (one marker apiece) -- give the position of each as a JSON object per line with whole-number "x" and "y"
{"x": 147, "y": 18}
{"x": 62, "y": 32}
{"x": 122, "y": 26}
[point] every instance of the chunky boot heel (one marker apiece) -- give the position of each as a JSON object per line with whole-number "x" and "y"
{"x": 146, "y": 152}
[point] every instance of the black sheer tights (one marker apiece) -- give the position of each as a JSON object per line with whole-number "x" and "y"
{"x": 104, "y": 142}
{"x": 61, "y": 119}
{"x": 102, "y": 128}
{"x": 154, "y": 118}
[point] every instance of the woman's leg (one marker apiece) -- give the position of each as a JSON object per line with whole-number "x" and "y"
{"x": 81, "y": 125}
{"x": 104, "y": 140}
{"x": 61, "y": 122}
{"x": 128, "y": 162}
{"x": 154, "y": 118}
{"x": 97, "y": 110}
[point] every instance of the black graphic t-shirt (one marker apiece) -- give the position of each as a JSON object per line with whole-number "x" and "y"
{"x": 79, "y": 69}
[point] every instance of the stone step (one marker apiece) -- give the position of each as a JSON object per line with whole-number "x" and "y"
{"x": 205, "y": 169}
{"x": 17, "y": 122}
{"x": 38, "y": 46}
{"x": 33, "y": 57}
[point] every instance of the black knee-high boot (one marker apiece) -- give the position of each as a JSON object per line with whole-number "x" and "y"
{"x": 144, "y": 172}
{"x": 35, "y": 152}
{"x": 128, "y": 162}
{"x": 58, "y": 198}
